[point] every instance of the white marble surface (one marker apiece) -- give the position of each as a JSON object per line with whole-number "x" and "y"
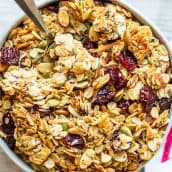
{"x": 159, "y": 11}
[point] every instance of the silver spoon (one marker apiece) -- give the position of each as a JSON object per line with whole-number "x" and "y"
{"x": 142, "y": 170}
{"x": 29, "y": 7}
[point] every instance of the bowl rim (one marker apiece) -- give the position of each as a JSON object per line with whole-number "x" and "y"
{"x": 143, "y": 20}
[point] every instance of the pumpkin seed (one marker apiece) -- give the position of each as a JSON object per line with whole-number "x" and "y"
{"x": 53, "y": 102}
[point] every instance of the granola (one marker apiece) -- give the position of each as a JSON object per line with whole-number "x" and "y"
{"x": 97, "y": 100}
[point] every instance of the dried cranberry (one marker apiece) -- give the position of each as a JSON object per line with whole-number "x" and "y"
{"x": 121, "y": 83}
{"x": 74, "y": 140}
{"x": 105, "y": 94}
{"x": 43, "y": 111}
{"x": 10, "y": 141}
{"x": 10, "y": 55}
{"x": 147, "y": 95}
{"x": 116, "y": 77}
{"x": 149, "y": 106}
{"x": 102, "y": 3}
{"x": 7, "y": 123}
{"x": 107, "y": 59}
{"x": 53, "y": 7}
{"x": 147, "y": 98}
{"x": 90, "y": 45}
{"x": 165, "y": 103}
{"x": 127, "y": 60}
{"x": 113, "y": 72}
{"x": 124, "y": 105}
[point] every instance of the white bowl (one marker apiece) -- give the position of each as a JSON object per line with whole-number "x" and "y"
{"x": 140, "y": 17}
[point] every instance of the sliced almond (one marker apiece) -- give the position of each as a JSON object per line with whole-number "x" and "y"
{"x": 88, "y": 93}
{"x": 63, "y": 18}
{"x": 87, "y": 14}
{"x": 72, "y": 111}
{"x": 23, "y": 45}
{"x": 102, "y": 48}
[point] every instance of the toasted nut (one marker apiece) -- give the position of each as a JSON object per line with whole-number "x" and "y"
{"x": 72, "y": 111}
{"x": 102, "y": 48}
{"x": 88, "y": 93}
{"x": 3, "y": 67}
{"x": 63, "y": 18}
{"x": 23, "y": 45}
{"x": 133, "y": 166}
{"x": 101, "y": 81}
{"x": 62, "y": 111}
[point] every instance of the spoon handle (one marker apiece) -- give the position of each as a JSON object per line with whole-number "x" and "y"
{"x": 29, "y": 7}
{"x": 142, "y": 170}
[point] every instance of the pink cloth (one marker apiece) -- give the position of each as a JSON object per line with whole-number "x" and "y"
{"x": 167, "y": 147}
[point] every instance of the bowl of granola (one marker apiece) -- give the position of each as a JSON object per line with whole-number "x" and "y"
{"x": 99, "y": 98}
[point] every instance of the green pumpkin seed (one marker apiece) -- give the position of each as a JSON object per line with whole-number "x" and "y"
{"x": 53, "y": 102}
{"x": 126, "y": 130}
{"x": 65, "y": 126}
{"x": 43, "y": 44}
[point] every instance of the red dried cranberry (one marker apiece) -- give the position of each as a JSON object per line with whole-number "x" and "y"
{"x": 149, "y": 106}
{"x": 121, "y": 83}
{"x": 105, "y": 95}
{"x": 10, "y": 56}
{"x": 124, "y": 105}
{"x": 128, "y": 61}
{"x": 147, "y": 98}
{"x": 147, "y": 95}
{"x": 116, "y": 77}
{"x": 107, "y": 59}
{"x": 113, "y": 72}
{"x": 90, "y": 45}
{"x": 10, "y": 141}
{"x": 102, "y": 3}
{"x": 7, "y": 123}
{"x": 74, "y": 140}
{"x": 165, "y": 104}
{"x": 53, "y": 7}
